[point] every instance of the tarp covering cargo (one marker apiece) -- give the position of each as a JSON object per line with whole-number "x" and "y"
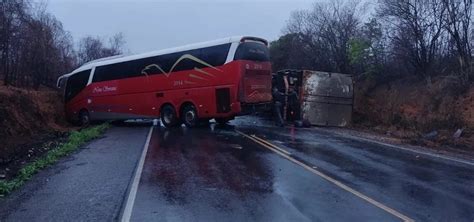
{"x": 327, "y": 98}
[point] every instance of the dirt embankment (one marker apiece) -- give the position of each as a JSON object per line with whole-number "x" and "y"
{"x": 421, "y": 113}
{"x": 28, "y": 119}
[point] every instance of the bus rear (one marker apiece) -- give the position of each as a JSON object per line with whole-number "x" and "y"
{"x": 254, "y": 92}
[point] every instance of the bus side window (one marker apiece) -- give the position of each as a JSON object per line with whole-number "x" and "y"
{"x": 75, "y": 84}
{"x": 215, "y": 55}
{"x": 188, "y": 64}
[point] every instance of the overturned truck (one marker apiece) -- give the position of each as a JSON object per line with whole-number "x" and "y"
{"x": 313, "y": 97}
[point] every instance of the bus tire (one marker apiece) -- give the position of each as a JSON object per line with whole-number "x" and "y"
{"x": 84, "y": 118}
{"x": 189, "y": 116}
{"x": 168, "y": 116}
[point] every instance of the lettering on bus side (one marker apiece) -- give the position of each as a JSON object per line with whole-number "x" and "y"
{"x": 257, "y": 66}
{"x": 178, "y": 83}
{"x": 104, "y": 89}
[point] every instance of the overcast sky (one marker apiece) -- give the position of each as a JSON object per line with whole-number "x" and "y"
{"x": 149, "y": 25}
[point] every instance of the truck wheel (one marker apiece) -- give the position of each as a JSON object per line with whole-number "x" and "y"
{"x": 189, "y": 116}
{"x": 168, "y": 116}
{"x": 84, "y": 118}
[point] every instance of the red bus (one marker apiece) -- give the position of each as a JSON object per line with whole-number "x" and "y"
{"x": 218, "y": 79}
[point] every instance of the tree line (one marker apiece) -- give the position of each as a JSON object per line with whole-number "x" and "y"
{"x": 35, "y": 48}
{"x": 384, "y": 39}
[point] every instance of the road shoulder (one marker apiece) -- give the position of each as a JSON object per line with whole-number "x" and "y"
{"x": 88, "y": 185}
{"x": 447, "y": 154}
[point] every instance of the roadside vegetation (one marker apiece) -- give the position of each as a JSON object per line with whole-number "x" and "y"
{"x": 412, "y": 62}
{"x": 35, "y": 49}
{"x": 75, "y": 140}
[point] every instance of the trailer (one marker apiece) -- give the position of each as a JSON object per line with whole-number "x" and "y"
{"x": 320, "y": 98}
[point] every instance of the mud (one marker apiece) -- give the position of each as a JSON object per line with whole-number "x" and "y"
{"x": 31, "y": 122}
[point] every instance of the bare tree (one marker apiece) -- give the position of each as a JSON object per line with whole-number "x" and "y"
{"x": 117, "y": 43}
{"x": 35, "y": 49}
{"x": 423, "y": 38}
{"x": 458, "y": 20}
{"x": 416, "y": 27}
{"x": 91, "y": 48}
{"x": 288, "y": 52}
{"x": 327, "y": 30}
{"x": 12, "y": 14}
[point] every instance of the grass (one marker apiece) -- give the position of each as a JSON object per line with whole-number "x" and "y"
{"x": 75, "y": 140}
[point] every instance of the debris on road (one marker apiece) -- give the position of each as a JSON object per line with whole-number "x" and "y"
{"x": 458, "y": 133}
{"x": 431, "y": 136}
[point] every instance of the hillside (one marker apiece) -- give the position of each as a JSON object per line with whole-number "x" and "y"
{"x": 28, "y": 120}
{"x": 421, "y": 114}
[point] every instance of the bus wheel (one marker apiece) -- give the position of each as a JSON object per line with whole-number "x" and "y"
{"x": 222, "y": 121}
{"x": 84, "y": 118}
{"x": 189, "y": 116}
{"x": 168, "y": 116}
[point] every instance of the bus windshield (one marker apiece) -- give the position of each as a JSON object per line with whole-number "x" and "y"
{"x": 253, "y": 51}
{"x": 75, "y": 84}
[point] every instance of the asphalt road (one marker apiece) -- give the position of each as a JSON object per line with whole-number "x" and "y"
{"x": 90, "y": 185}
{"x": 244, "y": 173}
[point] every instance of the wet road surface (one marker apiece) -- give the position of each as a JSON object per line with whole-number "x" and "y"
{"x": 422, "y": 187}
{"x": 218, "y": 174}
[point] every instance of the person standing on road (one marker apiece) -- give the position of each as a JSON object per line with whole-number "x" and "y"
{"x": 278, "y": 100}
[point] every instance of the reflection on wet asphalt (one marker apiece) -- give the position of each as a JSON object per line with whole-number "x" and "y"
{"x": 215, "y": 174}
{"x": 421, "y": 187}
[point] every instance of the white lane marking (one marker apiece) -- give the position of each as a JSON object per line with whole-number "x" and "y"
{"x": 426, "y": 153}
{"x": 270, "y": 144}
{"x": 127, "y": 213}
{"x": 332, "y": 180}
